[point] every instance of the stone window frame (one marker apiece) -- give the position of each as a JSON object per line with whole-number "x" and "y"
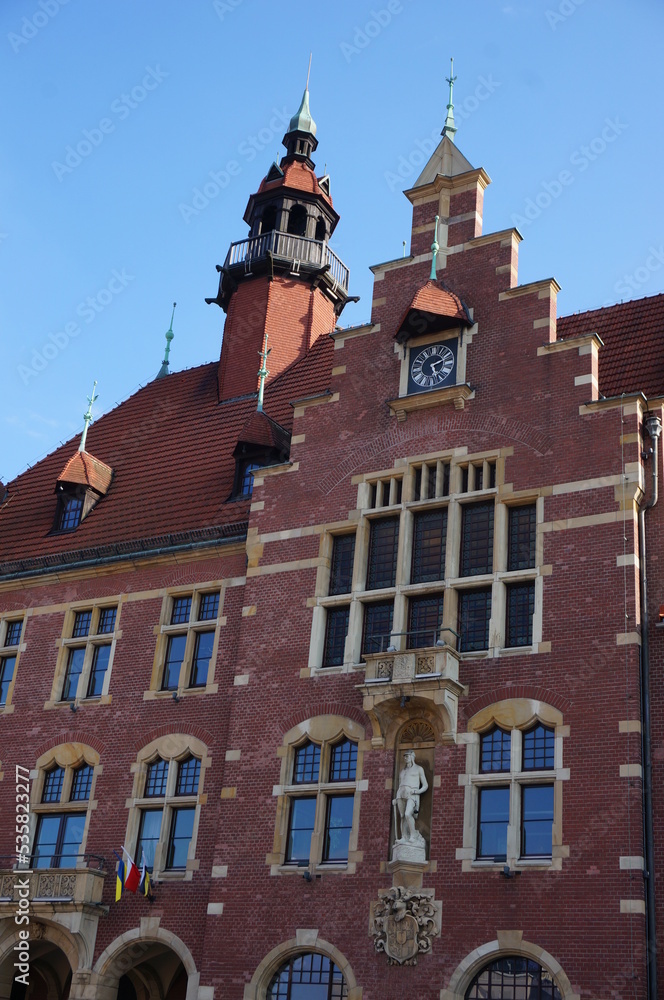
{"x": 460, "y": 462}
{"x": 411, "y": 347}
{"x": 326, "y": 731}
{"x": 174, "y": 748}
{"x": 164, "y": 630}
{"x": 69, "y": 756}
{"x": 89, "y": 642}
{"x": 8, "y": 651}
{"x": 515, "y": 716}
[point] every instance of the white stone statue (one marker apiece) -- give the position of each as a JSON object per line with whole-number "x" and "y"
{"x": 412, "y": 784}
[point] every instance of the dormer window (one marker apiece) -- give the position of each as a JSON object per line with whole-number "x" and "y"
{"x": 70, "y": 511}
{"x": 247, "y": 470}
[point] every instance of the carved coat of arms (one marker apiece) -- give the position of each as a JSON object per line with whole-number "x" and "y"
{"x": 404, "y": 921}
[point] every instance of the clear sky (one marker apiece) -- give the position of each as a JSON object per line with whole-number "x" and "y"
{"x": 115, "y": 111}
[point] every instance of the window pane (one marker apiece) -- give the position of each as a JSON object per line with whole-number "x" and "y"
{"x": 308, "y": 977}
{"x": 181, "y": 610}
{"x": 494, "y": 812}
{"x": 538, "y": 748}
{"x": 81, "y": 784}
{"x": 425, "y": 619}
{"x": 156, "y": 778}
{"x": 53, "y": 784}
{"x": 72, "y": 835}
{"x": 513, "y": 978}
{"x": 174, "y": 658}
{"x": 209, "y": 607}
{"x": 48, "y": 829}
{"x": 202, "y": 655}
{"x": 100, "y": 658}
{"x": 188, "y": 775}
{"x": 72, "y": 673}
{"x": 307, "y": 763}
{"x": 106, "y": 620}
{"x": 70, "y": 515}
{"x": 148, "y": 836}
{"x": 182, "y": 828}
{"x": 377, "y": 626}
{"x": 247, "y": 478}
{"x": 522, "y": 535}
{"x": 337, "y": 827}
{"x": 343, "y": 761}
{"x": 383, "y": 543}
{"x": 336, "y": 630}
{"x": 477, "y": 539}
{"x": 341, "y": 571}
{"x": 303, "y": 813}
{"x": 13, "y": 636}
{"x": 474, "y": 618}
{"x": 520, "y": 607}
{"x": 495, "y": 751}
{"x": 82, "y": 621}
{"x": 6, "y": 673}
{"x": 536, "y": 820}
{"x": 429, "y": 534}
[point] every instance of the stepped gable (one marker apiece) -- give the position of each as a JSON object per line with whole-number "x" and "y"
{"x": 171, "y": 448}
{"x": 632, "y": 358}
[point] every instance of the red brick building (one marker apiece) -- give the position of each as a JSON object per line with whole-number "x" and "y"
{"x": 352, "y": 653}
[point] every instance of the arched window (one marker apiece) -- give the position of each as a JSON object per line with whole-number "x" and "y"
{"x": 309, "y": 976}
{"x": 320, "y": 229}
{"x": 512, "y": 977}
{"x": 61, "y": 798}
{"x": 297, "y": 220}
{"x": 269, "y": 219}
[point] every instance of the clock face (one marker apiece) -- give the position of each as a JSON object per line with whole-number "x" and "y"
{"x": 431, "y": 367}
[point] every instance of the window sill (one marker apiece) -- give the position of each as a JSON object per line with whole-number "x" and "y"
{"x": 152, "y": 695}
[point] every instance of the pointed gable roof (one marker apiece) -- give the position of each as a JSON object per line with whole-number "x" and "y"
{"x": 447, "y": 160}
{"x": 263, "y": 432}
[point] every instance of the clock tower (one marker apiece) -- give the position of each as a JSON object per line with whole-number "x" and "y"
{"x": 282, "y": 279}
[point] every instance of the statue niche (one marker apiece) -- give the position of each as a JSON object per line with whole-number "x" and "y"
{"x": 411, "y": 806}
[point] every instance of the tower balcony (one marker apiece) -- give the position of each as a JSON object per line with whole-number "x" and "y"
{"x": 298, "y": 256}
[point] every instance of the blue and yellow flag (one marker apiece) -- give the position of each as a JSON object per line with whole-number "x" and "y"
{"x": 119, "y": 881}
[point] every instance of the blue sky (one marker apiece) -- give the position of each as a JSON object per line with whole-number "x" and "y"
{"x": 559, "y": 100}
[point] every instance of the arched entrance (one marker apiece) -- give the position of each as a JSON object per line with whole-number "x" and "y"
{"x": 136, "y": 968}
{"x": 49, "y": 975}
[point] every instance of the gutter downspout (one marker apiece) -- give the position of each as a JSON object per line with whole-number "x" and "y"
{"x": 653, "y": 426}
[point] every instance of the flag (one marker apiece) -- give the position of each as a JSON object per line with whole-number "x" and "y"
{"x": 144, "y": 884}
{"x": 119, "y": 880}
{"x": 133, "y": 876}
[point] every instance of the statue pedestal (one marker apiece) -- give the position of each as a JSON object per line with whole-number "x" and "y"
{"x": 407, "y": 873}
{"x": 410, "y": 853}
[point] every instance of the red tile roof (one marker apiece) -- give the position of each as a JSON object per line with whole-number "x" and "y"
{"x": 261, "y": 430}
{"x": 170, "y": 446}
{"x": 632, "y": 358}
{"x": 434, "y": 301}
{"x": 299, "y": 176}
{"x": 87, "y": 470}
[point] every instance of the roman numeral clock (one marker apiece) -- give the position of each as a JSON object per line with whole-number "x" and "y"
{"x": 432, "y": 366}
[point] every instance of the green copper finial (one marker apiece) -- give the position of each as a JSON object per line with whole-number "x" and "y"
{"x": 449, "y": 128}
{"x": 262, "y": 373}
{"x": 302, "y": 120}
{"x": 87, "y": 417}
{"x": 435, "y": 247}
{"x": 163, "y": 371}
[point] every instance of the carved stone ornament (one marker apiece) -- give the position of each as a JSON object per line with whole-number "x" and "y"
{"x": 404, "y": 922}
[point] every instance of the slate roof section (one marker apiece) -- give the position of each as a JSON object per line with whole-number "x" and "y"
{"x": 170, "y": 446}
{"x": 86, "y": 470}
{"x": 632, "y": 358}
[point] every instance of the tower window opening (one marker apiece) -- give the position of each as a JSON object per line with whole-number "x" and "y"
{"x": 269, "y": 219}
{"x": 320, "y": 229}
{"x": 297, "y": 220}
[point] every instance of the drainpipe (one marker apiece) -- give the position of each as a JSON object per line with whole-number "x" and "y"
{"x": 653, "y": 426}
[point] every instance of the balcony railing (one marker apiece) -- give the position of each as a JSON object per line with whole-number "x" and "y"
{"x": 81, "y": 883}
{"x": 297, "y": 249}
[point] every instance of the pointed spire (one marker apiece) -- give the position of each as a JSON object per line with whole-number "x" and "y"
{"x": 163, "y": 371}
{"x": 449, "y": 128}
{"x": 87, "y": 417}
{"x": 302, "y": 120}
{"x": 262, "y": 373}
{"x": 435, "y": 247}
